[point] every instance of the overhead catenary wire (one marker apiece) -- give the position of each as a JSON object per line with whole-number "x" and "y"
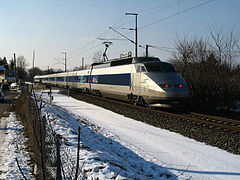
{"x": 122, "y": 35}
{"x": 92, "y": 41}
{"x": 175, "y": 14}
{"x": 157, "y": 7}
{"x": 162, "y": 7}
{"x": 86, "y": 45}
{"x": 97, "y": 38}
{"x": 168, "y": 17}
{"x": 85, "y": 50}
{"x": 113, "y": 39}
{"x": 171, "y": 49}
{"x": 78, "y": 51}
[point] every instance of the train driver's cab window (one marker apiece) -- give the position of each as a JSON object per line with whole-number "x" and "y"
{"x": 161, "y": 67}
{"x": 141, "y": 68}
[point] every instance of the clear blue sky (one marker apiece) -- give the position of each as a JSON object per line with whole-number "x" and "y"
{"x": 54, "y": 26}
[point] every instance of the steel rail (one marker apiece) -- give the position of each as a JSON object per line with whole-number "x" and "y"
{"x": 211, "y": 121}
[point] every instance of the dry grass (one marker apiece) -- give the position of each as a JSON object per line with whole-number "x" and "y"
{"x": 21, "y": 108}
{"x": 37, "y": 87}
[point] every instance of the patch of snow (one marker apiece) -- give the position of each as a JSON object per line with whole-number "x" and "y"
{"x": 117, "y": 146}
{"x": 13, "y": 146}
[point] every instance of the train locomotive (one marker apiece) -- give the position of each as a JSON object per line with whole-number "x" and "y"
{"x": 138, "y": 80}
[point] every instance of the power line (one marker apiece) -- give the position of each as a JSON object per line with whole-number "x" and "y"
{"x": 85, "y": 51}
{"x": 84, "y": 46}
{"x": 175, "y": 14}
{"x": 165, "y": 7}
{"x": 98, "y": 38}
{"x": 119, "y": 20}
{"x": 111, "y": 39}
{"x": 122, "y": 35}
{"x": 162, "y": 7}
{"x": 169, "y": 49}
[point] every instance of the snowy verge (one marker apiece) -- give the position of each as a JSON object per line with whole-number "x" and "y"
{"x": 12, "y": 147}
{"x": 103, "y": 155}
{"x": 114, "y": 146}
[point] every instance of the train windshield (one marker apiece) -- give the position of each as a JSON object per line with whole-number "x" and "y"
{"x": 162, "y": 67}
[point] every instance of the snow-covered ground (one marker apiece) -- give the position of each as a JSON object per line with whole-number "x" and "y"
{"x": 117, "y": 146}
{"x": 113, "y": 146}
{"x": 12, "y": 146}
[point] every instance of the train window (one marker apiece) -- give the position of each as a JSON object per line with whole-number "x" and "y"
{"x": 159, "y": 67}
{"x": 60, "y": 78}
{"x": 143, "y": 69}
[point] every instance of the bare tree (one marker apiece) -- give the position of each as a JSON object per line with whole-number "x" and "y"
{"x": 97, "y": 57}
{"x": 21, "y": 68}
{"x": 77, "y": 68}
{"x": 210, "y": 66}
{"x": 226, "y": 44}
{"x": 11, "y": 64}
{"x": 33, "y": 72}
{"x": 188, "y": 58}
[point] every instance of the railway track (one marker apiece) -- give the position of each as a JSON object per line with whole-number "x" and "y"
{"x": 211, "y": 121}
{"x": 224, "y": 123}
{"x": 201, "y": 119}
{"x": 206, "y": 120}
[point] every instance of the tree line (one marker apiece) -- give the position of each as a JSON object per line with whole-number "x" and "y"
{"x": 211, "y": 67}
{"x": 20, "y": 67}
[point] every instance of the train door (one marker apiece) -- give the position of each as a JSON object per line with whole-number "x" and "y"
{"x": 138, "y": 80}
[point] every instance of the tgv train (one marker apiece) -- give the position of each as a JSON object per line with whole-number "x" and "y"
{"x": 139, "y": 80}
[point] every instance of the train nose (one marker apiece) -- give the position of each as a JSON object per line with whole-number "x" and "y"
{"x": 177, "y": 86}
{"x": 174, "y": 91}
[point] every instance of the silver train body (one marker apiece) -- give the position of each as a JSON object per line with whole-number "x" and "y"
{"x": 139, "y": 80}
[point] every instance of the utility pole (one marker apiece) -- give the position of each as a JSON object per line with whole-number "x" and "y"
{"x": 15, "y": 66}
{"x": 136, "y": 35}
{"x": 147, "y": 50}
{"x": 33, "y": 57}
{"x": 65, "y": 60}
{"x": 82, "y": 62}
{"x": 147, "y": 47}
